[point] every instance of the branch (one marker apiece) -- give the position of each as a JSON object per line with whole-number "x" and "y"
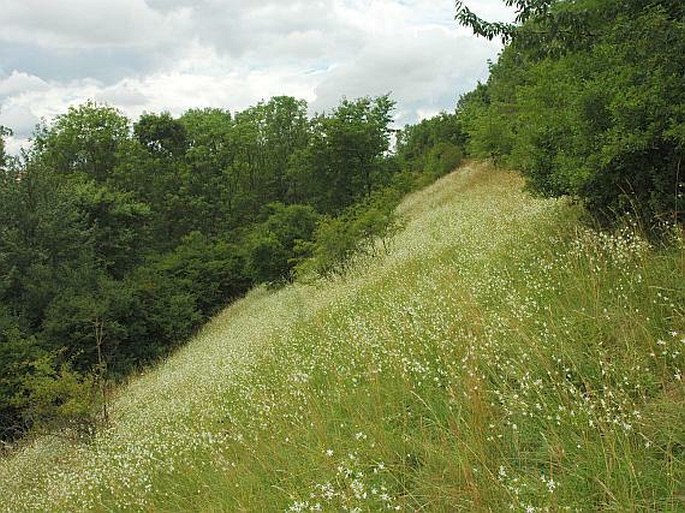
{"x": 526, "y": 10}
{"x": 481, "y": 27}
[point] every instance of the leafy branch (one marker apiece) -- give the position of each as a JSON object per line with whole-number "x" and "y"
{"x": 525, "y": 10}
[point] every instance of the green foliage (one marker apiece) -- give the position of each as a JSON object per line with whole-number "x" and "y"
{"x": 16, "y": 351}
{"x": 161, "y": 134}
{"x": 265, "y": 136}
{"x": 442, "y": 158}
{"x": 526, "y": 11}
{"x": 117, "y": 244}
{"x": 356, "y": 231}
{"x": 84, "y": 141}
{"x": 334, "y": 244}
{"x": 160, "y": 316}
{"x": 207, "y": 129}
{"x": 545, "y": 27}
{"x": 599, "y": 118}
{"x": 55, "y": 398}
{"x": 434, "y": 146}
{"x": 210, "y": 271}
{"x": 84, "y": 318}
{"x": 275, "y": 247}
{"x": 119, "y": 225}
{"x": 344, "y": 160}
{"x": 267, "y": 259}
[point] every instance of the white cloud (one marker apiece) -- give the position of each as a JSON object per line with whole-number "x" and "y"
{"x": 125, "y": 94}
{"x": 19, "y": 82}
{"x": 78, "y": 24}
{"x": 426, "y": 64}
{"x": 20, "y": 118}
{"x": 177, "y": 54}
{"x": 14, "y": 145}
{"x": 201, "y": 79}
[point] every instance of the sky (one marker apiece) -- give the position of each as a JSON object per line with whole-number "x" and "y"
{"x": 173, "y": 55}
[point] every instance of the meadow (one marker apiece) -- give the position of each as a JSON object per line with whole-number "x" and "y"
{"x": 497, "y": 354}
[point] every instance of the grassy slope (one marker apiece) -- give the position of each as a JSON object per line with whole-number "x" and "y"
{"x": 500, "y": 357}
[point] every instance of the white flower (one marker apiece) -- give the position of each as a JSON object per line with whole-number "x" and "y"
{"x": 551, "y": 485}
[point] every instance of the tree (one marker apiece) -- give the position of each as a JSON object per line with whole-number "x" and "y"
{"x": 54, "y": 397}
{"x": 434, "y": 146}
{"x": 4, "y": 132}
{"x": 161, "y": 134}
{"x": 543, "y": 27}
{"x": 266, "y": 137}
{"x": 526, "y": 10}
{"x": 344, "y": 160}
{"x": 118, "y": 223}
{"x": 211, "y": 186}
{"x": 85, "y": 140}
{"x": 286, "y": 130}
{"x": 17, "y": 350}
{"x": 209, "y": 271}
{"x": 275, "y": 246}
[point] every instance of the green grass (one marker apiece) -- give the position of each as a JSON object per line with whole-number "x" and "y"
{"x": 500, "y": 357}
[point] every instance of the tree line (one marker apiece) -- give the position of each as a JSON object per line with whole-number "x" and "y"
{"x": 587, "y": 101}
{"x": 118, "y": 239}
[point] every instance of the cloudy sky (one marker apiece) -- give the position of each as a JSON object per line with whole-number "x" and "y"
{"x": 156, "y": 55}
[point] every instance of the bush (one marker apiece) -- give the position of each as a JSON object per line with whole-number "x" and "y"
{"x": 16, "y": 350}
{"x": 162, "y": 314}
{"x": 211, "y": 271}
{"x": 443, "y": 158}
{"x": 278, "y": 244}
{"x": 56, "y": 398}
{"x": 598, "y": 118}
{"x": 267, "y": 260}
{"x": 356, "y": 231}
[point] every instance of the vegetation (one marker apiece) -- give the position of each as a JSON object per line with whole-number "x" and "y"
{"x": 586, "y": 101}
{"x": 118, "y": 241}
{"x": 465, "y": 348}
{"x": 500, "y": 356}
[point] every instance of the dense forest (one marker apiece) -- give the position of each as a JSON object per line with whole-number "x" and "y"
{"x": 119, "y": 239}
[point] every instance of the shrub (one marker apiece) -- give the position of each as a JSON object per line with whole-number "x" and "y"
{"x": 57, "y": 398}
{"x": 355, "y": 231}
{"x": 443, "y": 158}
{"x": 280, "y": 242}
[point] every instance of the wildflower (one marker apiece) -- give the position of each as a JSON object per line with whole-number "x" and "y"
{"x": 551, "y": 485}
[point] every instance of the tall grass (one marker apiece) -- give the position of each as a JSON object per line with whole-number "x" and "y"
{"x": 501, "y": 357}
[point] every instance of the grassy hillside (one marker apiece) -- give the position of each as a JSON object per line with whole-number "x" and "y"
{"x": 498, "y": 357}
